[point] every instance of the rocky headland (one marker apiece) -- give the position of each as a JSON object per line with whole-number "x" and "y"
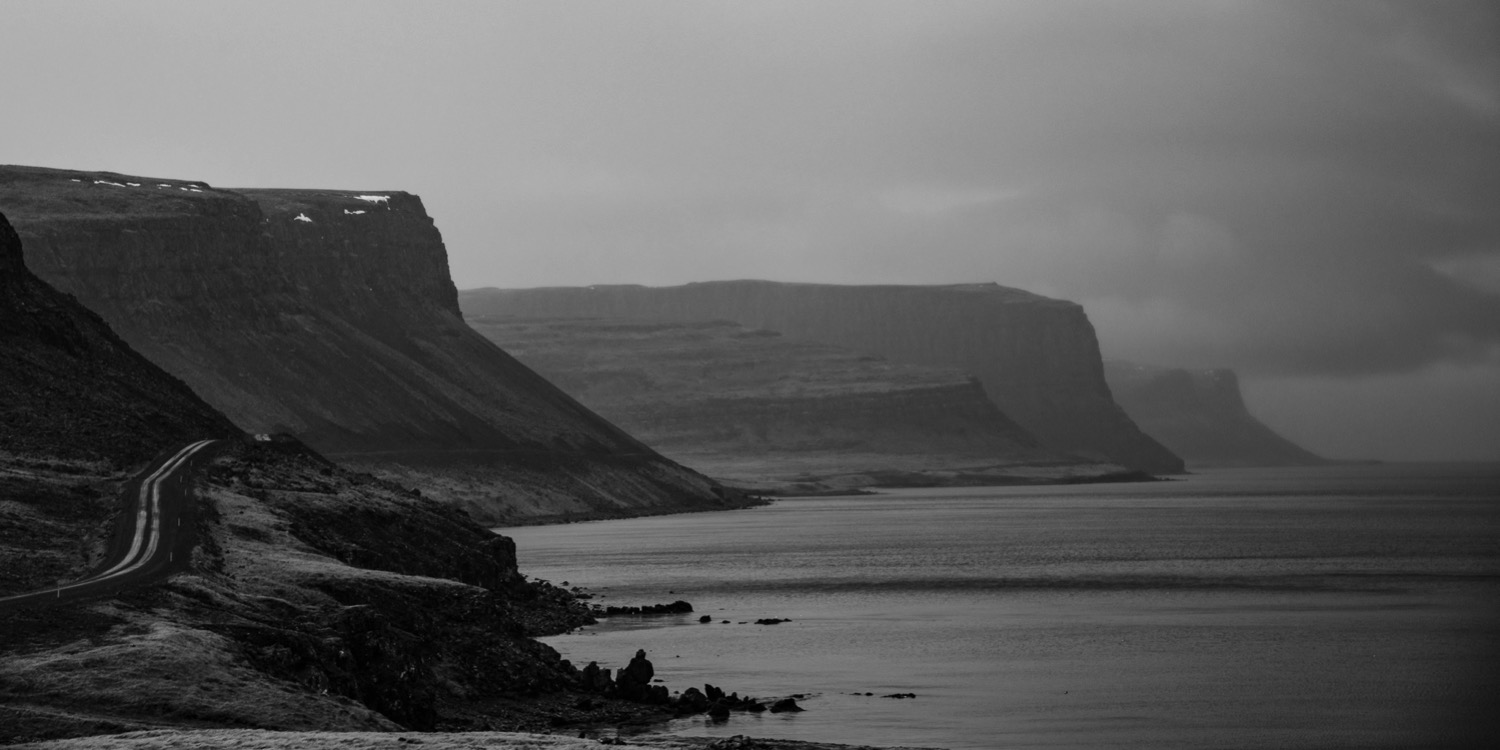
{"x": 1201, "y": 415}
{"x": 1037, "y": 358}
{"x": 330, "y": 315}
{"x": 760, "y": 410}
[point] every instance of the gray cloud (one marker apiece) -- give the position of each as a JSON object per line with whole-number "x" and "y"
{"x": 1299, "y": 190}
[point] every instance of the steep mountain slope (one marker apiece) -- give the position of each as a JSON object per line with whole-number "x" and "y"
{"x": 330, "y": 315}
{"x": 753, "y": 405}
{"x": 69, "y": 387}
{"x": 1037, "y": 357}
{"x": 1200, "y": 415}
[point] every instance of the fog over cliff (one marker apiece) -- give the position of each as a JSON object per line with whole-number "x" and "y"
{"x": 1302, "y": 192}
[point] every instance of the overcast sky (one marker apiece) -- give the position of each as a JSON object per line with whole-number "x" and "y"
{"x": 1304, "y": 191}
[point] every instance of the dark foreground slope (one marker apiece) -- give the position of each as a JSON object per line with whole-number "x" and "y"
{"x": 1037, "y": 357}
{"x": 759, "y": 409}
{"x": 1201, "y": 415}
{"x": 330, "y": 315}
{"x": 71, "y": 388}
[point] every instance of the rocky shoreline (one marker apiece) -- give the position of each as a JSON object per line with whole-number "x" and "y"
{"x": 253, "y": 739}
{"x": 645, "y": 701}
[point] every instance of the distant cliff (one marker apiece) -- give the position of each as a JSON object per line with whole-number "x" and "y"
{"x": 764, "y": 410}
{"x": 1200, "y": 415}
{"x": 1037, "y": 358}
{"x": 331, "y": 315}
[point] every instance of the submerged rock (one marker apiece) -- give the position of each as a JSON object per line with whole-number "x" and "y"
{"x": 786, "y": 705}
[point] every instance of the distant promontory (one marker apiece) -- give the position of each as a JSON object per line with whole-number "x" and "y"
{"x": 1201, "y": 415}
{"x": 1037, "y": 358}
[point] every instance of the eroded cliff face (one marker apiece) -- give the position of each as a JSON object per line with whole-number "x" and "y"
{"x": 330, "y": 315}
{"x": 1037, "y": 358}
{"x": 753, "y": 406}
{"x": 1201, "y": 415}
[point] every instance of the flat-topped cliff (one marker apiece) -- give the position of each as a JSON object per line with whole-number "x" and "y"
{"x": 1201, "y": 415}
{"x": 331, "y": 315}
{"x": 1037, "y": 357}
{"x": 756, "y": 407}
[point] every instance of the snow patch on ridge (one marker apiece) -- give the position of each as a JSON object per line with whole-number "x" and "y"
{"x": 374, "y": 198}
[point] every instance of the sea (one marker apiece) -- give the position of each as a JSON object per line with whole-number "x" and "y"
{"x": 1349, "y": 606}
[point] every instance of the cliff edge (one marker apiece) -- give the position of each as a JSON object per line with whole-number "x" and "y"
{"x": 1201, "y": 415}
{"x": 1037, "y": 357}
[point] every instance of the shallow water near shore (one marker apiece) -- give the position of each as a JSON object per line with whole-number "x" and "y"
{"x": 1347, "y": 606}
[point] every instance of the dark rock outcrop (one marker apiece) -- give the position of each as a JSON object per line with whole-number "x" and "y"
{"x": 1037, "y": 358}
{"x": 70, "y": 387}
{"x": 331, "y": 315}
{"x": 634, "y": 682}
{"x": 678, "y": 607}
{"x": 1201, "y": 415}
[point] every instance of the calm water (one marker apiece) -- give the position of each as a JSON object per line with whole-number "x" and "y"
{"x": 1311, "y": 608}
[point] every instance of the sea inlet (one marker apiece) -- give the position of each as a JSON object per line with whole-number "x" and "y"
{"x": 1342, "y": 606}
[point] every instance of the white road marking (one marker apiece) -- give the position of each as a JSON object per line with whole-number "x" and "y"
{"x": 150, "y": 498}
{"x": 149, "y": 534}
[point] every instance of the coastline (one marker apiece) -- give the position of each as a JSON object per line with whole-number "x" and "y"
{"x": 255, "y": 739}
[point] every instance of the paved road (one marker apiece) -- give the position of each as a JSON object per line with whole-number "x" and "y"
{"x": 151, "y": 540}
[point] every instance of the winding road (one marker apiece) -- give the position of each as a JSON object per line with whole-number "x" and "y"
{"x": 148, "y": 543}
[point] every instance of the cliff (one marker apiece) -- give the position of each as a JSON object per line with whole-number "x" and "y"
{"x": 1201, "y": 415}
{"x": 1037, "y": 358}
{"x": 330, "y": 315}
{"x": 71, "y": 388}
{"x": 763, "y": 410}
